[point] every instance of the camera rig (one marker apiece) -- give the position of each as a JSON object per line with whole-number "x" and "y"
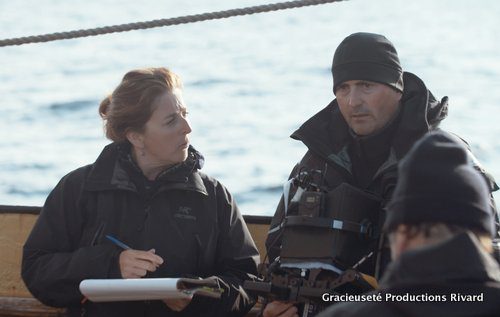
{"x": 325, "y": 236}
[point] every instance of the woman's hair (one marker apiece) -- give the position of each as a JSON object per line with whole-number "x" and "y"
{"x": 132, "y": 103}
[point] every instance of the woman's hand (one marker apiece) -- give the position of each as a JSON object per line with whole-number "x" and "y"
{"x": 177, "y": 304}
{"x": 280, "y": 309}
{"x": 136, "y": 263}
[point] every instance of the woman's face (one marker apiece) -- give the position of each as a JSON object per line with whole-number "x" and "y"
{"x": 165, "y": 138}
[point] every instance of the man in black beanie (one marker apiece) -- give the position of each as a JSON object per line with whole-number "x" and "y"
{"x": 440, "y": 231}
{"x": 379, "y": 112}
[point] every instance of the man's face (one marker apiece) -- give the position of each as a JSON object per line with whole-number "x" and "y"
{"x": 367, "y": 106}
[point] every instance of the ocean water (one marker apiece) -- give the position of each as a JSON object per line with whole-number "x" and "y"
{"x": 249, "y": 81}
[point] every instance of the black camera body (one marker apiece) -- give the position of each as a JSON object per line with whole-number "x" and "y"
{"x": 338, "y": 227}
{"x": 326, "y": 235}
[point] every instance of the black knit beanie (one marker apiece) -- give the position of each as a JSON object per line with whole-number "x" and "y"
{"x": 367, "y": 56}
{"x": 438, "y": 183}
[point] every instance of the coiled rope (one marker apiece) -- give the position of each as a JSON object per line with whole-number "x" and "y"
{"x": 162, "y": 22}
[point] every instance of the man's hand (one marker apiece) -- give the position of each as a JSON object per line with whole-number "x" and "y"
{"x": 177, "y": 304}
{"x": 136, "y": 263}
{"x": 280, "y": 309}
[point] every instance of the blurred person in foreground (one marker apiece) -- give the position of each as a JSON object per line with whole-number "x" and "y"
{"x": 440, "y": 231}
{"x": 355, "y": 143}
{"x": 146, "y": 190}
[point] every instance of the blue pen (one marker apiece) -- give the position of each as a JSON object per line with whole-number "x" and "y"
{"x": 118, "y": 242}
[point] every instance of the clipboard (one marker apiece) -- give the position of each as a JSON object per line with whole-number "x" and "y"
{"x": 114, "y": 290}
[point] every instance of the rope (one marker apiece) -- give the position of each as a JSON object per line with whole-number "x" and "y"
{"x": 162, "y": 22}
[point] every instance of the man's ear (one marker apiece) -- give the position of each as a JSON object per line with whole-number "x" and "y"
{"x": 135, "y": 138}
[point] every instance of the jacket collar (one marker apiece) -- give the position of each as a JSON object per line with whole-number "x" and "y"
{"x": 376, "y": 144}
{"x": 112, "y": 171}
{"x": 421, "y": 113}
{"x": 460, "y": 258}
{"x": 327, "y": 134}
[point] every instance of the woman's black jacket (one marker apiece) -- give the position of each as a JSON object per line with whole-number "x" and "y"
{"x": 189, "y": 218}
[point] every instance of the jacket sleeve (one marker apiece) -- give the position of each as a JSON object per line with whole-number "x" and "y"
{"x": 236, "y": 261}
{"x": 53, "y": 263}
{"x": 496, "y": 218}
{"x": 496, "y": 238}
{"x": 274, "y": 236}
{"x": 490, "y": 181}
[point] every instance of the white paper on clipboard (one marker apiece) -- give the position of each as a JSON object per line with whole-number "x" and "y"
{"x": 112, "y": 290}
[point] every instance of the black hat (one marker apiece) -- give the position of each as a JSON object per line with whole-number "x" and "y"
{"x": 438, "y": 183}
{"x": 367, "y": 56}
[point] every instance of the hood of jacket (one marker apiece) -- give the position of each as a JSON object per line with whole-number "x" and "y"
{"x": 327, "y": 132}
{"x": 456, "y": 266}
{"x": 112, "y": 170}
{"x": 456, "y": 260}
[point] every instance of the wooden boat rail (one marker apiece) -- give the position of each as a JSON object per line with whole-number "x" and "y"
{"x": 15, "y": 225}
